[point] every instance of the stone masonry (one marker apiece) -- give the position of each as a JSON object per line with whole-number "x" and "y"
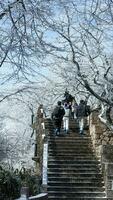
{"x": 102, "y": 139}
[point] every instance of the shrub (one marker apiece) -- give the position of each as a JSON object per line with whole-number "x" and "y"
{"x": 10, "y": 185}
{"x": 12, "y": 181}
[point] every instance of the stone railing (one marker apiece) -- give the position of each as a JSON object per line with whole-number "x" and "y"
{"x": 41, "y": 131}
{"x": 102, "y": 139}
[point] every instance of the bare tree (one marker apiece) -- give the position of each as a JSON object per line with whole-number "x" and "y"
{"x": 81, "y": 48}
{"x": 72, "y": 39}
{"x": 21, "y": 30}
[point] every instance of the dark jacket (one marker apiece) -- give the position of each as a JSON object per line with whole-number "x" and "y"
{"x": 58, "y": 112}
{"x": 87, "y": 110}
{"x": 81, "y": 110}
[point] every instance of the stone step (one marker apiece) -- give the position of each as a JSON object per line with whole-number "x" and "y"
{"x": 72, "y": 158}
{"x": 56, "y": 165}
{"x": 82, "y": 139}
{"x": 73, "y": 161}
{"x": 66, "y": 155}
{"x": 69, "y": 137}
{"x": 69, "y": 155}
{"x": 75, "y": 188}
{"x": 69, "y": 179}
{"x": 76, "y": 164}
{"x": 70, "y": 170}
{"x": 76, "y": 194}
{"x": 73, "y": 175}
{"x": 67, "y": 145}
{"x": 78, "y": 183}
{"x": 64, "y": 139}
{"x": 73, "y": 166}
{"x": 68, "y": 151}
{"x": 71, "y": 142}
{"x": 73, "y": 145}
{"x": 70, "y": 145}
{"x": 77, "y": 198}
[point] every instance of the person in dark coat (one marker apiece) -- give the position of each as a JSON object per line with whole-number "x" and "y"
{"x": 57, "y": 116}
{"x": 68, "y": 97}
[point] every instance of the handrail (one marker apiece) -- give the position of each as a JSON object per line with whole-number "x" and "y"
{"x": 42, "y": 196}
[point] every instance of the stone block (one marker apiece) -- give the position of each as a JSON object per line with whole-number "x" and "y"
{"x": 98, "y": 130}
{"x": 110, "y": 170}
{"x": 104, "y": 142}
{"x": 94, "y": 118}
{"x": 106, "y": 139}
{"x": 98, "y": 150}
{"x": 109, "y": 185}
{"x": 111, "y": 141}
{"x": 110, "y": 194}
{"x": 97, "y": 136}
{"x": 107, "y": 153}
{"x": 101, "y": 137}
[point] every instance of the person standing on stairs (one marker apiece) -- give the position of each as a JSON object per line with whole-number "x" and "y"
{"x": 66, "y": 118}
{"x": 87, "y": 113}
{"x": 68, "y": 97}
{"x": 57, "y": 116}
{"x": 73, "y": 110}
{"x": 81, "y": 114}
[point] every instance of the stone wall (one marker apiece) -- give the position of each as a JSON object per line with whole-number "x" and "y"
{"x": 107, "y": 166}
{"x": 100, "y": 134}
{"x": 102, "y": 139}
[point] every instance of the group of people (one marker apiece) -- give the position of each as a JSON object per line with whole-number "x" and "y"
{"x": 66, "y": 109}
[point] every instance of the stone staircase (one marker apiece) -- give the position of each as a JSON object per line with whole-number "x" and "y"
{"x": 74, "y": 172}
